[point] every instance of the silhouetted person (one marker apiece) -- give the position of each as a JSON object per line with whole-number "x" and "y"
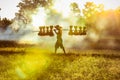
{"x": 59, "y": 41}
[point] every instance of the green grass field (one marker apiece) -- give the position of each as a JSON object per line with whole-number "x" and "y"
{"x": 34, "y": 63}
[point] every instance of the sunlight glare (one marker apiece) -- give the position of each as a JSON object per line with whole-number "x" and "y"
{"x": 39, "y": 18}
{"x": 63, "y": 7}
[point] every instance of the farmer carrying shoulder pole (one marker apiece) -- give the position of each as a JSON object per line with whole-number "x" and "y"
{"x": 59, "y": 42}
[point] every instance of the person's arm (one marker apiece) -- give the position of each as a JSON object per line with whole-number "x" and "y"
{"x": 55, "y": 31}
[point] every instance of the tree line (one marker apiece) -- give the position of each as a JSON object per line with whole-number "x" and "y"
{"x": 4, "y": 23}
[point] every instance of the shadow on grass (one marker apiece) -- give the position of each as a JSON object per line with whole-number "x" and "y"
{"x": 111, "y": 55}
{"x": 12, "y": 52}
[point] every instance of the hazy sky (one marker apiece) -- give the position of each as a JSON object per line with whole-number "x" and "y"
{"x": 9, "y": 6}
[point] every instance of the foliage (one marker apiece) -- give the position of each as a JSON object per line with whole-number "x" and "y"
{"x": 29, "y": 7}
{"x": 4, "y": 23}
{"x": 91, "y": 11}
{"x": 75, "y": 9}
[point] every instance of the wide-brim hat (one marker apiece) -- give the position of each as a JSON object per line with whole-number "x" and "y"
{"x": 58, "y": 27}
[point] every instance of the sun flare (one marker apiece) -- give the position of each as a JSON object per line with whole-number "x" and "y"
{"x": 39, "y": 18}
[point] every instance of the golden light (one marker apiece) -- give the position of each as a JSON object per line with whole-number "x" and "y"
{"x": 32, "y": 64}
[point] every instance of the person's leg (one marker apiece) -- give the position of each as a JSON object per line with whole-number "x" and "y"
{"x": 56, "y": 47}
{"x": 64, "y": 50}
{"x": 62, "y": 47}
{"x": 55, "y": 50}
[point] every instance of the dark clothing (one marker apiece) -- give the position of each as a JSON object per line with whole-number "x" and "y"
{"x": 59, "y": 40}
{"x": 59, "y": 43}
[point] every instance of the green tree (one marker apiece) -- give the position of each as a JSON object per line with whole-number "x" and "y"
{"x": 29, "y": 7}
{"x": 91, "y": 11}
{"x": 75, "y": 9}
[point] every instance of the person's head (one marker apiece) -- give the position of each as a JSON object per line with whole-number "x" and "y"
{"x": 58, "y": 27}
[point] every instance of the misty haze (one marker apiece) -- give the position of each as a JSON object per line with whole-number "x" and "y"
{"x": 60, "y": 40}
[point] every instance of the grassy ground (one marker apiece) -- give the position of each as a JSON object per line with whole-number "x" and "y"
{"x": 33, "y": 63}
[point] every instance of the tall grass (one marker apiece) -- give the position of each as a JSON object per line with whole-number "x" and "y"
{"x": 36, "y": 64}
